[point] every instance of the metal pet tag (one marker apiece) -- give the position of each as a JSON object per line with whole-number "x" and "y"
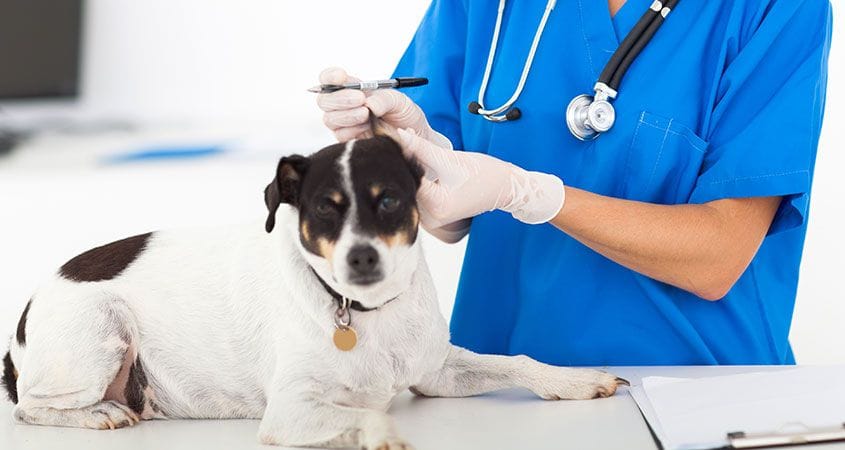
{"x": 345, "y": 338}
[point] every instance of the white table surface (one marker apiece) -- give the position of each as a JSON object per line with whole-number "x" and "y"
{"x": 511, "y": 419}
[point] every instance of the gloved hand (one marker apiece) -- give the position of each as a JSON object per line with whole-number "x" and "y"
{"x": 346, "y": 112}
{"x": 458, "y": 185}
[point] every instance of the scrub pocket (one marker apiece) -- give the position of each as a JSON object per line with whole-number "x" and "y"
{"x": 664, "y": 160}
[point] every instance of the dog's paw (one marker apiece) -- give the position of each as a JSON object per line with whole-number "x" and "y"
{"x": 111, "y": 415}
{"x": 388, "y": 444}
{"x": 561, "y": 383}
{"x": 106, "y": 415}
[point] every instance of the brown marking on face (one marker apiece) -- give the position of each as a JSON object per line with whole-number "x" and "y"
{"x": 303, "y": 229}
{"x": 399, "y": 238}
{"x": 336, "y": 197}
{"x": 405, "y": 235}
{"x": 326, "y": 248}
{"x": 415, "y": 218}
{"x": 106, "y": 262}
{"x": 376, "y": 190}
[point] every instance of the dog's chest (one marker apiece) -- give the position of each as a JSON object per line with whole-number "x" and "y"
{"x": 391, "y": 355}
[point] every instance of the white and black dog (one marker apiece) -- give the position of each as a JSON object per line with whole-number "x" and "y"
{"x": 313, "y": 322}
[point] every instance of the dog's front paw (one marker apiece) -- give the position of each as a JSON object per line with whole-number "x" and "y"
{"x": 561, "y": 383}
{"x": 392, "y": 443}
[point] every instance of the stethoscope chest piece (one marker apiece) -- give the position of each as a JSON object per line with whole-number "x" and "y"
{"x": 587, "y": 118}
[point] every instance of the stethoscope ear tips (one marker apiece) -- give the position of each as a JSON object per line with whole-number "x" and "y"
{"x": 512, "y": 114}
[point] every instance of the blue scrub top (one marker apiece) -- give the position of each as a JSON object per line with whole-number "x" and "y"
{"x": 725, "y": 102}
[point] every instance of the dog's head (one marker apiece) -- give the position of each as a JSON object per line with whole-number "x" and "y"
{"x": 358, "y": 216}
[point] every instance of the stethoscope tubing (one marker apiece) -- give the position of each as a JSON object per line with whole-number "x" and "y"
{"x": 609, "y": 80}
{"x": 636, "y": 40}
{"x": 495, "y": 114}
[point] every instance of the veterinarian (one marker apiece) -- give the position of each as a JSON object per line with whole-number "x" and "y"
{"x": 675, "y": 236}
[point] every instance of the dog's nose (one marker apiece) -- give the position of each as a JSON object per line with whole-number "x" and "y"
{"x": 363, "y": 260}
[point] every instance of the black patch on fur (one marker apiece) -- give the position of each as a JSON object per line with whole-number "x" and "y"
{"x": 314, "y": 185}
{"x": 135, "y": 386}
{"x": 318, "y": 209}
{"x": 10, "y": 382}
{"x": 106, "y": 262}
{"x": 379, "y": 162}
{"x": 285, "y": 187}
{"x": 21, "y": 333}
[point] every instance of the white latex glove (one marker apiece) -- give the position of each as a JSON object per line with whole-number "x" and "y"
{"x": 458, "y": 185}
{"x": 346, "y": 112}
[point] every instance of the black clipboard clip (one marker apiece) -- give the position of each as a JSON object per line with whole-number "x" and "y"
{"x": 791, "y": 434}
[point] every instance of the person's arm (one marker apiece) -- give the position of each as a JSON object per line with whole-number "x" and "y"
{"x": 702, "y": 248}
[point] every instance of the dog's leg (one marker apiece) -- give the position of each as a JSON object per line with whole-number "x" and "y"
{"x": 465, "y": 373}
{"x": 310, "y": 421}
{"x": 71, "y": 357}
{"x": 107, "y": 415}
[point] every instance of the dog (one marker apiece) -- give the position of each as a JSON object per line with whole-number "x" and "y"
{"x": 312, "y": 321}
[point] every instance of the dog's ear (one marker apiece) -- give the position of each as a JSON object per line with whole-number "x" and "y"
{"x": 285, "y": 187}
{"x": 379, "y": 128}
{"x": 417, "y": 170}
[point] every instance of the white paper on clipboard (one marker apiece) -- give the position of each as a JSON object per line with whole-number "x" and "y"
{"x": 695, "y": 414}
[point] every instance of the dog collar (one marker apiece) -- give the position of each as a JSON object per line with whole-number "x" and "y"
{"x": 345, "y": 338}
{"x": 339, "y": 299}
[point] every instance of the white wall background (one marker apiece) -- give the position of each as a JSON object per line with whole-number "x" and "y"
{"x": 223, "y": 62}
{"x": 234, "y": 59}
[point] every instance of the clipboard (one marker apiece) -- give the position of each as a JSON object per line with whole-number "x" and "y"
{"x": 782, "y": 438}
{"x": 736, "y": 411}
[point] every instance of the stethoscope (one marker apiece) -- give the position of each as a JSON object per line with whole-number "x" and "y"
{"x": 587, "y": 116}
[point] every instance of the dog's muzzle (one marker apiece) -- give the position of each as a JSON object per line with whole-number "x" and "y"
{"x": 364, "y": 267}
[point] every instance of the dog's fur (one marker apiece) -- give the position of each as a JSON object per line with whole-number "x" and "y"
{"x": 234, "y": 323}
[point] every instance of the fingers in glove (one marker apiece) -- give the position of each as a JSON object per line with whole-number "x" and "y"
{"x": 450, "y": 232}
{"x": 347, "y": 118}
{"x": 336, "y": 75}
{"x": 384, "y": 101}
{"x": 395, "y": 107}
{"x": 356, "y": 132}
{"x": 341, "y": 100}
{"x": 433, "y": 199}
{"x": 429, "y": 155}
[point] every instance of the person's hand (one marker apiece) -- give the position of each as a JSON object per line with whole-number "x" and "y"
{"x": 347, "y": 111}
{"x": 458, "y": 185}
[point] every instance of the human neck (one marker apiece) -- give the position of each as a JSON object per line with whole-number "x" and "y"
{"x": 614, "y": 6}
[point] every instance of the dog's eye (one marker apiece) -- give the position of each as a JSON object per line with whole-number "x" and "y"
{"x": 325, "y": 208}
{"x": 388, "y": 204}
